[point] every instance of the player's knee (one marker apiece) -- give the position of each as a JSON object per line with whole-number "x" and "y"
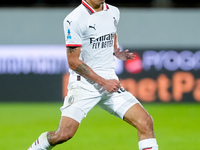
{"x": 146, "y": 124}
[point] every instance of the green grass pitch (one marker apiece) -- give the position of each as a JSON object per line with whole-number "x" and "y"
{"x": 177, "y": 127}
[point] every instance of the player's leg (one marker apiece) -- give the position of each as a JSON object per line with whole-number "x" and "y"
{"x": 138, "y": 117}
{"x": 67, "y": 128}
{"x": 125, "y": 106}
{"x": 77, "y": 104}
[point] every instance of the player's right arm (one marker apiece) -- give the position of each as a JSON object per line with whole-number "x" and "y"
{"x": 73, "y": 53}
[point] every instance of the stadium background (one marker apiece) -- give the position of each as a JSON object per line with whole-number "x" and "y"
{"x": 165, "y": 76}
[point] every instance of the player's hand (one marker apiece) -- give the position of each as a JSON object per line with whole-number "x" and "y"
{"x": 124, "y": 55}
{"x": 112, "y": 85}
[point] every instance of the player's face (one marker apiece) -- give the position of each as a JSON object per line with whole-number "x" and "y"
{"x": 101, "y": 1}
{"x": 96, "y": 2}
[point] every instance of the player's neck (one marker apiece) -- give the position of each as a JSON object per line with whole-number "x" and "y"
{"x": 96, "y": 6}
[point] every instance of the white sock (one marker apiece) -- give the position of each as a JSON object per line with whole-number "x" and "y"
{"x": 148, "y": 144}
{"x": 41, "y": 143}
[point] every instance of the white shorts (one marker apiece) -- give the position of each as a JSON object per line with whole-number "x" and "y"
{"x": 83, "y": 95}
{"x": 80, "y": 101}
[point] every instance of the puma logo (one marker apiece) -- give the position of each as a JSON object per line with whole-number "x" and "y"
{"x": 93, "y": 27}
{"x": 69, "y": 22}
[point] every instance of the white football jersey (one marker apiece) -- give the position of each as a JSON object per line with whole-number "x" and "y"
{"x": 94, "y": 32}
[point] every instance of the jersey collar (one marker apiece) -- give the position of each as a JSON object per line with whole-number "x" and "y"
{"x": 90, "y": 9}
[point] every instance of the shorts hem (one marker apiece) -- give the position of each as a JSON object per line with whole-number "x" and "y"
{"x": 121, "y": 111}
{"x": 75, "y": 113}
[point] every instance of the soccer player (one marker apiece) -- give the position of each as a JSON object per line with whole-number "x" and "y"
{"x": 91, "y": 41}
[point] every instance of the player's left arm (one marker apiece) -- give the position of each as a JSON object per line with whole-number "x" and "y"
{"x": 122, "y": 55}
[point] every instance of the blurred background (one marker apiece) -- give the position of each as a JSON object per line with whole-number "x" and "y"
{"x": 165, "y": 76}
{"x": 164, "y": 34}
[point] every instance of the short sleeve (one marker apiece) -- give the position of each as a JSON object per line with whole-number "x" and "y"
{"x": 72, "y": 31}
{"x": 116, "y": 13}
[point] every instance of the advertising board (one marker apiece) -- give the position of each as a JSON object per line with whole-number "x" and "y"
{"x": 40, "y": 73}
{"x": 161, "y": 75}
